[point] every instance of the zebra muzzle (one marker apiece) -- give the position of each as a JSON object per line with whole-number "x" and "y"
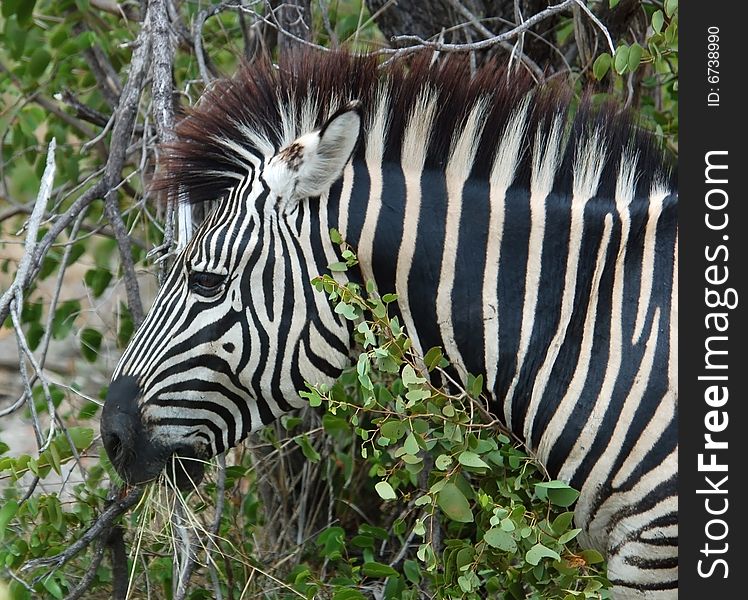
{"x": 135, "y": 454}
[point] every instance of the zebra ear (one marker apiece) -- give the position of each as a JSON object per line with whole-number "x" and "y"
{"x": 310, "y": 164}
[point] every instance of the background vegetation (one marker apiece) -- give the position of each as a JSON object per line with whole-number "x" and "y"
{"x": 387, "y": 487}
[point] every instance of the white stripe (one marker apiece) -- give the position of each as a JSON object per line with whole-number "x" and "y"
{"x": 545, "y": 163}
{"x": 586, "y": 180}
{"x": 607, "y": 457}
{"x": 414, "y": 147}
{"x": 503, "y": 172}
{"x": 656, "y": 197}
{"x": 346, "y": 192}
{"x": 624, "y": 197}
{"x": 597, "y": 533}
{"x": 576, "y": 385}
{"x": 458, "y": 169}
{"x": 374, "y": 157}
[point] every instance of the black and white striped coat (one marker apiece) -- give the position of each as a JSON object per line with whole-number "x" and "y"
{"x": 535, "y": 247}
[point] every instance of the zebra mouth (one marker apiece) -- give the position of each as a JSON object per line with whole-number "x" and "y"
{"x": 185, "y": 469}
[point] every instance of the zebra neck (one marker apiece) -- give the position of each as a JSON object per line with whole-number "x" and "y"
{"x": 537, "y": 294}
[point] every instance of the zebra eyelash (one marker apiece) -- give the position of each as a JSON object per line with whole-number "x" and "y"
{"x": 206, "y": 284}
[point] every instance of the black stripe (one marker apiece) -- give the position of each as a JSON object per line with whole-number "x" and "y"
{"x": 467, "y": 291}
{"x": 423, "y": 282}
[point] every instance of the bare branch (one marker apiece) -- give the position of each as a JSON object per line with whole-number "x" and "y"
{"x": 120, "y": 581}
{"x": 323, "y": 8}
{"x": 530, "y": 64}
{"x": 88, "y": 577}
{"x": 597, "y": 22}
{"x": 32, "y": 229}
{"x": 105, "y": 520}
{"x": 415, "y": 43}
{"x": 121, "y": 134}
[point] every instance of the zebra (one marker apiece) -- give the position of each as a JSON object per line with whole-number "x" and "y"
{"x": 536, "y": 244}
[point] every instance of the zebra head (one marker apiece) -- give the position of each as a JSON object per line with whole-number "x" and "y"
{"x": 233, "y": 334}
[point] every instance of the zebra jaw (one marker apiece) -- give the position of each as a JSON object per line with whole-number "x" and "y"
{"x": 136, "y": 456}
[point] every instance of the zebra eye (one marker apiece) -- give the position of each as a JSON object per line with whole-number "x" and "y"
{"x": 206, "y": 284}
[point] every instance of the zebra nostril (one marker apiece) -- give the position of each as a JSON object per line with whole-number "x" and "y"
{"x": 113, "y": 445}
{"x": 120, "y": 423}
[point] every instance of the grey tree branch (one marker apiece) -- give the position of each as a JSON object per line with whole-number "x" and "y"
{"x": 162, "y": 92}
{"x": 122, "y": 131}
{"x": 414, "y": 43}
{"x": 530, "y": 64}
{"x": 102, "y": 524}
{"x": 32, "y": 229}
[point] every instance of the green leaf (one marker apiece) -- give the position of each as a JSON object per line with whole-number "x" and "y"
{"x": 393, "y": 430}
{"x": 97, "y": 279}
{"x": 433, "y": 358}
{"x": 338, "y": 267}
{"x": 443, "y": 461}
{"x": 335, "y": 236}
{"x": 558, "y": 492}
{"x": 306, "y": 448}
{"x": 376, "y": 569}
{"x": 59, "y": 35}
{"x": 635, "y": 56}
{"x": 601, "y": 66}
{"x": 658, "y": 20}
{"x": 418, "y": 395}
{"x": 385, "y": 491}
{"x": 475, "y": 385}
{"x": 88, "y": 410}
{"x": 568, "y": 536}
{"x": 454, "y": 504}
{"x": 410, "y": 378}
{"x": 53, "y": 587}
{"x": 535, "y": 554}
{"x": 411, "y": 444}
{"x": 412, "y": 571}
{"x": 38, "y": 62}
{"x": 126, "y": 326}
{"x": 24, "y": 11}
{"x": 471, "y": 459}
{"x": 76, "y": 251}
{"x": 563, "y": 497}
{"x": 347, "y": 310}
{"x": 507, "y": 525}
{"x": 81, "y": 437}
{"x": 670, "y": 7}
{"x": 613, "y": 3}
{"x": 9, "y": 7}
{"x": 64, "y": 317}
{"x": 7, "y": 512}
{"x": 498, "y": 538}
{"x": 90, "y": 344}
{"x": 621, "y": 60}
{"x": 419, "y": 528}
{"x": 348, "y": 594}
{"x": 34, "y": 335}
{"x": 592, "y": 557}
{"x": 15, "y": 38}
{"x": 562, "y": 522}
{"x": 54, "y": 458}
{"x": 32, "y": 311}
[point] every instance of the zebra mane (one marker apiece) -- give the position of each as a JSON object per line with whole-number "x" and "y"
{"x": 410, "y": 107}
